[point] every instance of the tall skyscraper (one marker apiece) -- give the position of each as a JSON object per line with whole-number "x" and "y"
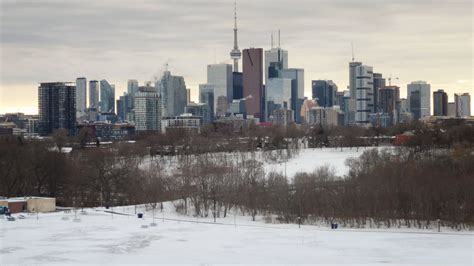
{"x": 364, "y": 88}
{"x": 107, "y": 97}
{"x": 388, "y": 101}
{"x": 81, "y": 96}
{"x": 253, "y": 81}
{"x": 235, "y": 53}
{"x": 297, "y": 90}
{"x": 440, "y": 103}
{"x": 132, "y": 86}
{"x": 462, "y": 105}
{"x": 147, "y": 111}
{"x": 352, "y": 78}
{"x": 94, "y": 94}
{"x": 238, "y": 92}
{"x": 276, "y": 59}
{"x": 277, "y": 96}
{"x": 57, "y": 107}
{"x": 379, "y": 83}
{"x": 221, "y": 76}
{"x": 206, "y": 95}
{"x": 324, "y": 91}
{"x": 418, "y": 96}
{"x": 173, "y": 94}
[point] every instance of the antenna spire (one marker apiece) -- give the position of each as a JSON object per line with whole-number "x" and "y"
{"x": 352, "y": 46}
{"x": 279, "y": 43}
{"x": 235, "y": 14}
{"x": 272, "y": 40}
{"x": 235, "y": 53}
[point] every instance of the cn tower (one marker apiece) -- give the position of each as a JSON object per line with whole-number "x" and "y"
{"x": 235, "y": 54}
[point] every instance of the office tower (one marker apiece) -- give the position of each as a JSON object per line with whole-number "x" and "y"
{"x": 324, "y": 92}
{"x": 277, "y": 96}
{"x": 353, "y": 77}
{"x": 282, "y": 117}
{"x": 297, "y": 89}
{"x": 379, "y": 83}
{"x": 237, "y": 107}
{"x": 94, "y": 94}
{"x": 235, "y": 53}
{"x": 418, "y": 96}
{"x": 81, "y": 97}
{"x": 237, "y": 84}
{"x": 252, "y": 77}
{"x": 276, "y": 59}
{"x": 452, "y": 109}
{"x": 188, "y": 96}
{"x": 388, "y": 98}
{"x": 462, "y": 105}
{"x": 147, "y": 111}
{"x": 440, "y": 103}
{"x": 200, "y": 110}
{"x": 364, "y": 88}
{"x": 57, "y": 107}
{"x": 206, "y": 95}
{"x": 132, "y": 86}
{"x": 220, "y": 75}
{"x": 107, "y": 97}
{"x": 125, "y": 106}
{"x": 173, "y": 94}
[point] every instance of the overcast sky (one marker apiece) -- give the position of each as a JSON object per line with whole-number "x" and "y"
{"x": 117, "y": 40}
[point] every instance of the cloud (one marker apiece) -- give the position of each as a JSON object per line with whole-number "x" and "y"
{"x": 43, "y": 40}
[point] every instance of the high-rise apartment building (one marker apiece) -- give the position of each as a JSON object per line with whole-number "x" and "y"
{"x": 418, "y": 96}
{"x": 107, "y": 97}
{"x": 147, "y": 111}
{"x": 253, "y": 81}
{"x": 353, "y": 78}
{"x": 81, "y": 96}
{"x": 57, "y": 107}
{"x": 440, "y": 103}
{"x": 364, "y": 94}
{"x": 173, "y": 94}
{"x": 94, "y": 94}
{"x": 379, "y": 83}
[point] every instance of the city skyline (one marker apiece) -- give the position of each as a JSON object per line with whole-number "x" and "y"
{"x": 131, "y": 43}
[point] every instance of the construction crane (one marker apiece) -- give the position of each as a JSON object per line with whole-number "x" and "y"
{"x": 390, "y": 80}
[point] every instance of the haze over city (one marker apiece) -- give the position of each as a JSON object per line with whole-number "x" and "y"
{"x": 119, "y": 40}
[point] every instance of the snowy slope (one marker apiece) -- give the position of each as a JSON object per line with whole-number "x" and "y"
{"x": 102, "y": 238}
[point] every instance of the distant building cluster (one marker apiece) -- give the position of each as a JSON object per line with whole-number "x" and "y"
{"x": 266, "y": 92}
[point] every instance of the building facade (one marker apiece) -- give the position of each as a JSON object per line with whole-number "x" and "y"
{"x": 107, "y": 97}
{"x": 462, "y": 105}
{"x": 57, "y": 107}
{"x": 418, "y": 96}
{"x": 277, "y": 96}
{"x": 324, "y": 92}
{"x": 252, "y": 78}
{"x": 440, "y": 103}
{"x": 81, "y": 96}
{"x": 94, "y": 94}
{"x": 147, "y": 111}
{"x": 221, "y": 76}
{"x": 173, "y": 94}
{"x": 297, "y": 89}
{"x": 364, "y": 94}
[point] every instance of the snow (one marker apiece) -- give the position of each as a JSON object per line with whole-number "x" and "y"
{"x": 309, "y": 159}
{"x": 103, "y": 238}
{"x": 306, "y": 160}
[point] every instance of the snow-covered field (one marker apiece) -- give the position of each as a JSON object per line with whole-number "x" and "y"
{"x": 307, "y": 160}
{"x": 102, "y": 238}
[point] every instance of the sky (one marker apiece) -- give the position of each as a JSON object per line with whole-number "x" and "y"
{"x": 117, "y": 40}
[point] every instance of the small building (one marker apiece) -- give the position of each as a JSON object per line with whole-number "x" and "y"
{"x": 30, "y": 204}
